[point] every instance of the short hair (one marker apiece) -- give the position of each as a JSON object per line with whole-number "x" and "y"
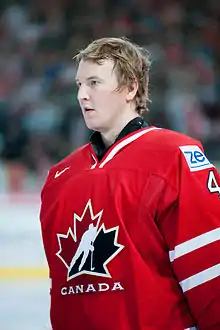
{"x": 131, "y": 63}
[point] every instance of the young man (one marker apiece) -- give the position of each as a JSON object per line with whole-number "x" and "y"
{"x": 130, "y": 221}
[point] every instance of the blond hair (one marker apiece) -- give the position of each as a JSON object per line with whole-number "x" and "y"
{"x": 131, "y": 63}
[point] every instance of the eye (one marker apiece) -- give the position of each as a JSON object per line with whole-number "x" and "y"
{"x": 93, "y": 83}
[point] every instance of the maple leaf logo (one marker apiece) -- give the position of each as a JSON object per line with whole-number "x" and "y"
{"x": 89, "y": 247}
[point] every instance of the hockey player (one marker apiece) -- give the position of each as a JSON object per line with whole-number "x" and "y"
{"x": 130, "y": 221}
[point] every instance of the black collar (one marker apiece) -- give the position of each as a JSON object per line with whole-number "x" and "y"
{"x": 97, "y": 142}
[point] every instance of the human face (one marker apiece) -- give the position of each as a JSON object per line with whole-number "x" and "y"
{"x": 101, "y": 104}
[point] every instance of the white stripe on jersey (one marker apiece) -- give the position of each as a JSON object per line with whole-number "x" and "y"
{"x": 200, "y": 278}
{"x": 194, "y": 244}
{"x": 95, "y": 162}
{"x": 125, "y": 142}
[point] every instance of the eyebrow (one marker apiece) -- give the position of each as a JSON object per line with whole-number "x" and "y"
{"x": 90, "y": 78}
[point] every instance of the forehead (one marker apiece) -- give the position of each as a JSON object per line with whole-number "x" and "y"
{"x": 89, "y": 68}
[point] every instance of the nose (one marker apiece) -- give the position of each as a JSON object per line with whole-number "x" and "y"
{"x": 83, "y": 93}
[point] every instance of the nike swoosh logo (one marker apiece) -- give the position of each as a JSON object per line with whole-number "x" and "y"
{"x": 59, "y": 173}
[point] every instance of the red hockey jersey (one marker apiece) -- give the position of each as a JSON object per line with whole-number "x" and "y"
{"x": 133, "y": 241}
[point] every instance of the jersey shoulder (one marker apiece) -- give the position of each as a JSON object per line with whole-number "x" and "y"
{"x": 161, "y": 146}
{"x": 170, "y": 140}
{"x": 76, "y": 158}
{"x": 76, "y": 155}
{"x": 168, "y": 152}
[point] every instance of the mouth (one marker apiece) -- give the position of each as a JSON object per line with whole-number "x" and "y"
{"x": 88, "y": 109}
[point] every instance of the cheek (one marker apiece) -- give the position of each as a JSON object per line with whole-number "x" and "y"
{"x": 108, "y": 102}
{"x": 118, "y": 100}
{"x": 103, "y": 99}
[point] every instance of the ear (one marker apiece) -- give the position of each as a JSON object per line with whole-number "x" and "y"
{"x": 132, "y": 91}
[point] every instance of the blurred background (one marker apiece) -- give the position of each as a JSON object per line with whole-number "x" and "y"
{"x": 40, "y": 120}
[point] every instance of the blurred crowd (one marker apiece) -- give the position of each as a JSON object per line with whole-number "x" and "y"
{"x": 40, "y": 120}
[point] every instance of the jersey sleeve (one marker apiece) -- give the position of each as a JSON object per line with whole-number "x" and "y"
{"x": 46, "y": 212}
{"x": 191, "y": 228}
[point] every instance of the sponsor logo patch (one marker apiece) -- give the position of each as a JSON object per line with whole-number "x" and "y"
{"x": 195, "y": 158}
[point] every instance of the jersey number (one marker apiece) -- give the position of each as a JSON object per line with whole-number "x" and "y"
{"x": 213, "y": 186}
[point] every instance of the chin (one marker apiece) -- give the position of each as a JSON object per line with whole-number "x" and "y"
{"x": 93, "y": 126}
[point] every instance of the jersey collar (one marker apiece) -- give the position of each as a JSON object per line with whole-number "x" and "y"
{"x": 97, "y": 143}
{"x": 118, "y": 146}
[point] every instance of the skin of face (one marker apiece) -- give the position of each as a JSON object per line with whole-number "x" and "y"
{"x": 104, "y": 108}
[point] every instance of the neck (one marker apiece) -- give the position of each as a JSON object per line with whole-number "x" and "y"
{"x": 110, "y": 135}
